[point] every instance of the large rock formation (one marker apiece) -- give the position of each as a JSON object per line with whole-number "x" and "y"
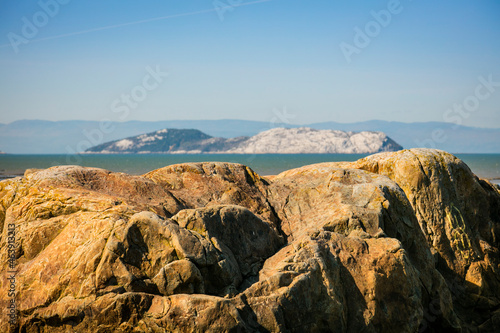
{"x": 305, "y": 140}
{"x": 459, "y": 215}
{"x": 395, "y": 242}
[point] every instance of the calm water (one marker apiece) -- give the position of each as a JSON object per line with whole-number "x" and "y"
{"x": 484, "y": 165}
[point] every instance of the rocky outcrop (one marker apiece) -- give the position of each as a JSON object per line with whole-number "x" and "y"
{"x": 459, "y": 215}
{"x": 305, "y": 140}
{"x": 207, "y": 184}
{"x": 395, "y": 242}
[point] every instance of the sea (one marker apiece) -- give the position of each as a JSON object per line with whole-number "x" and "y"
{"x": 483, "y": 165}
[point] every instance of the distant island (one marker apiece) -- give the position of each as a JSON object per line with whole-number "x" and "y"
{"x": 301, "y": 140}
{"x": 74, "y": 136}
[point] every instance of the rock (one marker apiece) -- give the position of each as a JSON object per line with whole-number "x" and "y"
{"x": 179, "y": 277}
{"x": 395, "y": 242}
{"x": 459, "y": 215}
{"x": 79, "y": 237}
{"x": 193, "y": 313}
{"x": 235, "y": 230}
{"x": 375, "y": 213}
{"x": 208, "y": 184}
{"x": 305, "y": 281}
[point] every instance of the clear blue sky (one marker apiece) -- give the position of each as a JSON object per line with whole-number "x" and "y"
{"x": 262, "y": 56}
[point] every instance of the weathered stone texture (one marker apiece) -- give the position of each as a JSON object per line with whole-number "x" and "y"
{"x": 395, "y": 242}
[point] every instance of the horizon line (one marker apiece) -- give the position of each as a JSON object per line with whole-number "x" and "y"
{"x": 249, "y": 120}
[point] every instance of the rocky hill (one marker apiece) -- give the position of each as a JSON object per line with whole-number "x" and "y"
{"x": 274, "y": 141}
{"x": 396, "y": 242}
{"x": 307, "y": 140}
{"x": 167, "y": 141}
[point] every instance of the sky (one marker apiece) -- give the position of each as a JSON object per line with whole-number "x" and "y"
{"x": 306, "y": 61}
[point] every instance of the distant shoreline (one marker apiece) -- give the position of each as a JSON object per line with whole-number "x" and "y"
{"x": 485, "y": 166}
{"x": 10, "y": 175}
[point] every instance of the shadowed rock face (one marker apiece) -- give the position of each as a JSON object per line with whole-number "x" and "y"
{"x": 395, "y": 242}
{"x": 459, "y": 215}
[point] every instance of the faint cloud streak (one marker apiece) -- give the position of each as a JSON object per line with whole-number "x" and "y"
{"x": 137, "y": 22}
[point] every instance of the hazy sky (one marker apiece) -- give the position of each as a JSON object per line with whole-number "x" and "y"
{"x": 322, "y": 60}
